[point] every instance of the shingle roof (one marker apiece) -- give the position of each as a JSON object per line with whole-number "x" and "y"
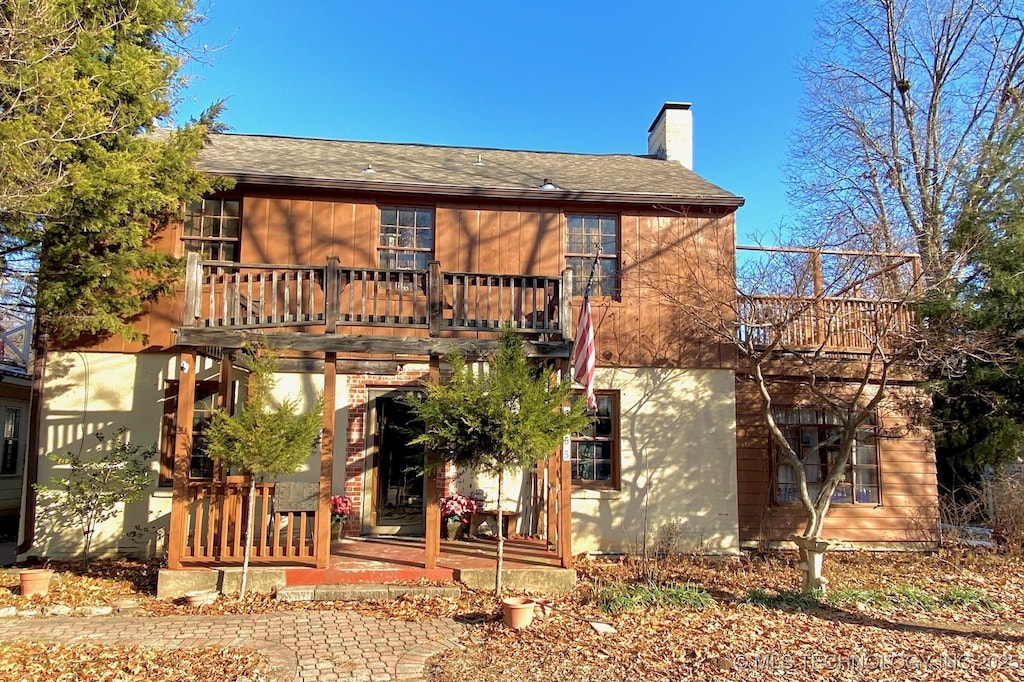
{"x": 462, "y": 171}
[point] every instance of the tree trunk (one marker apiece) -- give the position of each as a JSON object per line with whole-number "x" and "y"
{"x": 501, "y": 538}
{"x": 249, "y": 524}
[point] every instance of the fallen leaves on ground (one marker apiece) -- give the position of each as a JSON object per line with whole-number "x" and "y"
{"x": 49, "y": 662}
{"x": 739, "y": 641}
{"x": 732, "y": 639}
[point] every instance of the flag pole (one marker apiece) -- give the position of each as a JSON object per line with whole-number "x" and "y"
{"x": 583, "y": 352}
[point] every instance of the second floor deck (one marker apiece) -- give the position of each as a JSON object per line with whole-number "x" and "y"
{"x": 333, "y": 303}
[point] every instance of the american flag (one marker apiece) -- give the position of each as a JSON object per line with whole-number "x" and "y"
{"x": 583, "y": 353}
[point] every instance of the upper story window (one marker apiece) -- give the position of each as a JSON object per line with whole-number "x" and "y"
{"x": 212, "y": 228}
{"x": 583, "y": 234}
{"x": 814, "y": 436}
{"x": 406, "y": 238}
{"x": 594, "y": 455}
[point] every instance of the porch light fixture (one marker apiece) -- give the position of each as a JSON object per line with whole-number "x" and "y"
{"x": 548, "y": 185}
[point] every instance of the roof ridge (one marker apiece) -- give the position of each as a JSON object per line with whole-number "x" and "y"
{"x": 428, "y": 145}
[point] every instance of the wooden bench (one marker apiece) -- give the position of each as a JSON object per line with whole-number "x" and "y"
{"x": 491, "y": 516}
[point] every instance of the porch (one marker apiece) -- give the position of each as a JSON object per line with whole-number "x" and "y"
{"x": 351, "y": 318}
{"x": 528, "y": 564}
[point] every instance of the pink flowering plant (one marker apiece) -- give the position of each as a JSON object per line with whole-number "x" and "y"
{"x": 457, "y": 506}
{"x": 341, "y": 508}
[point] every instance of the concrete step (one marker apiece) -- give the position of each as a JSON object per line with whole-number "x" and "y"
{"x": 366, "y": 592}
{"x": 534, "y": 580}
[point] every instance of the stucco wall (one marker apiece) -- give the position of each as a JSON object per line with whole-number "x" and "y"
{"x": 87, "y": 393}
{"x": 678, "y": 464}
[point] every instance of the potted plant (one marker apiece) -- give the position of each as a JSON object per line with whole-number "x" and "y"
{"x": 456, "y": 511}
{"x": 341, "y": 509}
{"x": 35, "y": 581}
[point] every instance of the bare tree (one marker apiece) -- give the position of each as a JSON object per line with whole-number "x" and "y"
{"x": 815, "y": 329}
{"x": 907, "y": 103}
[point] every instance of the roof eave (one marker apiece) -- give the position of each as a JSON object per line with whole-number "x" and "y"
{"x": 561, "y": 195}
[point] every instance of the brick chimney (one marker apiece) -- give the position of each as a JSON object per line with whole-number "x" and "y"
{"x": 670, "y": 137}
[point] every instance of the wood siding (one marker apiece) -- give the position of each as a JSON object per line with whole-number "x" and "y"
{"x": 908, "y": 512}
{"x": 638, "y": 328}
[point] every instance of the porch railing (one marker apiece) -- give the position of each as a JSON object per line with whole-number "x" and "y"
{"x": 229, "y": 295}
{"x": 216, "y": 516}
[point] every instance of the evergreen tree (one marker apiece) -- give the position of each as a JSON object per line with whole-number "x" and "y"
{"x": 87, "y": 179}
{"x": 260, "y": 440}
{"x": 503, "y": 419}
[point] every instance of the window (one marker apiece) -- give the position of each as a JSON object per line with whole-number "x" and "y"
{"x": 406, "y": 238}
{"x": 584, "y": 233}
{"x": 200, "y": 464}
{"x": 815, "y": 436}
{"x": 12, "y": 441}
{"x": 594, "y": 456}
{"x": 211, "y": 228}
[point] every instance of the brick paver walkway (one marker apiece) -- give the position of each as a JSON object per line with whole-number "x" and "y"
{"x": 303, "y": 645}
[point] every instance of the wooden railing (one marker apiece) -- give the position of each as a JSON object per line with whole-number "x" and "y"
{"x": 223, "y": 295}
{"x": 833, "y": 324}
{"x": 216, "y": 520}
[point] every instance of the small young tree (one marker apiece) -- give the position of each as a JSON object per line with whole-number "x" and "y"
{"x": 503, "y": 419}
{"x": 260, "y": 440}
{"x": 96, "y": 485}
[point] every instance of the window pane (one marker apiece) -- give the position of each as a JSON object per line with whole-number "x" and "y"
{"x": 813, "y": 473}
{"x": 424, "y": 218}
{"x": 231, "y": 208}
{"x": 211, "y": 207}
{"x": 842, "y": 494}
{"x": 867, "y": 495}
{"x": 229, "y": 227}
{"x": 866, "y": 476}
{"x": 388, "y": 216}
{"x": 209, "y": 227}
{"x": 406, "y": 217}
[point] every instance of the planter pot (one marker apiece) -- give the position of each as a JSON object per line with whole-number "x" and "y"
{"x": 517, "y": 612}
{"x": 453, "y": 529}
{"x": 337, "y": 529}
{"x": 35, "y": 581}
{"x": 200, "y": 597}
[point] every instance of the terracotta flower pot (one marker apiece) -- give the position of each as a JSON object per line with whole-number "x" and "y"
{"x": 517, "y": 612}
{"x": 35, "y": 581}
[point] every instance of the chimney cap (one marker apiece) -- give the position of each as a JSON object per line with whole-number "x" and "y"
{"x": 668, "y": 105}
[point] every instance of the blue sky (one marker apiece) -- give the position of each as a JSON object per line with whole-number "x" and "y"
{"x": 560, "y": 76}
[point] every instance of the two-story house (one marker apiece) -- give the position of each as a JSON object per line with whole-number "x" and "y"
{"x": 366, "y": 264}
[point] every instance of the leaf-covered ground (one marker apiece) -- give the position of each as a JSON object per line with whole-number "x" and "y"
{"x": 958, "y": 615}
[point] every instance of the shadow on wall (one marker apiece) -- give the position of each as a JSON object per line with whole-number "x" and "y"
{"x": 678, "y": 467}
{"x": 88, "y": 394}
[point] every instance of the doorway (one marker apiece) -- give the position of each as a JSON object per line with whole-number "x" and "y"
{"x": 395, "y": 484}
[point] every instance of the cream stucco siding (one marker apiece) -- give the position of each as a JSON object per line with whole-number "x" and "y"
{"x": 90, "y": 393}
{"x": 678, "y": 465}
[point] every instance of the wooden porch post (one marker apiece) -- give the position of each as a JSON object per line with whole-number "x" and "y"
{"x": 176, "y": 535}
{"x": 551, "y": 500}
{"x": 432, "y": 520}
{"x": 323, "y": 517}
{"x": 565, "y": 499}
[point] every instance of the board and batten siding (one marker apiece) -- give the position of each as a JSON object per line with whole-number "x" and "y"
{"x": 661, "y": 251}
{"x": 906, "y": 518}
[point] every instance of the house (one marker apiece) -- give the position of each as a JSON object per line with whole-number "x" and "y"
{"x": 15, "y": 385}
{"x": 367, "y": 263}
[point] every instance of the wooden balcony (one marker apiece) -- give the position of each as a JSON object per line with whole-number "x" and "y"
{"x": 224, "y": 301}
{"x": 840, "y": 325}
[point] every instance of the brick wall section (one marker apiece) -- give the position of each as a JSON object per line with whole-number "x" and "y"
{"x": 359, "y": 386}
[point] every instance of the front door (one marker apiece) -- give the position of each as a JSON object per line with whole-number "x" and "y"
{"x": 396, "y": 477}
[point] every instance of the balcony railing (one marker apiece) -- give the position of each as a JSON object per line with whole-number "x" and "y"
{"x": 833, "y": 324}
{"x": 232, "y": 296}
